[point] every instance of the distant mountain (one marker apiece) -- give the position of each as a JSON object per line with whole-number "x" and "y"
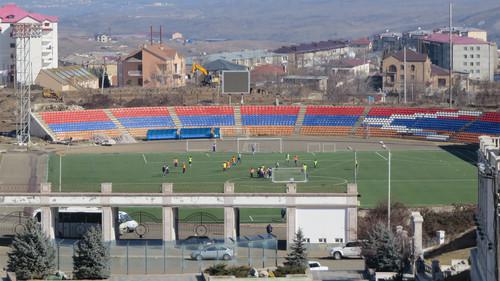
{"x": 278, "y": 20}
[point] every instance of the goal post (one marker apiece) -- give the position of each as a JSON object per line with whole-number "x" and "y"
{"x": 329, "y": 147}
{"x": 200, "y": 145}
{"x": 256, "y": 145}
{"x": 289, "y": 175}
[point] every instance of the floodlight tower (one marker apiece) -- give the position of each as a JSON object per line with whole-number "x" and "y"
{"x": 23, "y": 33}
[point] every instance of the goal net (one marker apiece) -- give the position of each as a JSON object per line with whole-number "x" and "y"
{"x": 199, "y": 145}
{"x": 289, "y": 175}
{"x": 329, "y": 147}
{"x": 259, "y": 145}
{"x": 313, "y": 147}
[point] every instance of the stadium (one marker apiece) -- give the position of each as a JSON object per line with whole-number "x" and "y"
{"x": 431, "y": 149}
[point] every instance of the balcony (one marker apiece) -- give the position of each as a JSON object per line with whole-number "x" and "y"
{"x": 134, "y": 73}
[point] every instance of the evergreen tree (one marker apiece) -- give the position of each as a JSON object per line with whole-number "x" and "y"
{"x": 383, "y": 251}
{"x": 32, "y": 255}
{"x": 91, "y": 259}
{"x": 297, "y": 257}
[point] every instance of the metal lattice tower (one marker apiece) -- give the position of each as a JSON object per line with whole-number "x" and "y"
{"x": 22, "y": 33}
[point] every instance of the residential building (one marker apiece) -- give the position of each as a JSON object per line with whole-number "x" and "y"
{"x": 418, "y": 70}
{"x": 485, "y": 256}
{"x": 411, "y": 38}
{"x": 390, "y": 41}
{"x": 314, "y": 54}
{"x": 248, "y": 58}
{"x": 67, "y": 78}
{"x": 177, "y": 36}
{"x": 152, "y": 66}
{"x": 465, "y": 32}
{"x": 351, "y": 66}
{"x": 43, "y": 49}
{"x": 361, "y": 44}
{"x": 440, "y": 78}
{"x": 471, "y": 55}
{"x": 102, "y": 38}
{"x": 266, "y": 73}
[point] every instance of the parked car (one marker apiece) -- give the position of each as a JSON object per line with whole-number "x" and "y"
{"x": 316, "y": 266}
{"x": 213, "y": 252}
{"x": 194, "y": 242}
{"x": 350, "y": 250}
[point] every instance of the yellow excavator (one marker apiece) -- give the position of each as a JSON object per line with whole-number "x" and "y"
{"x": 208, "y": 79}
{"x": 51, "y": 94}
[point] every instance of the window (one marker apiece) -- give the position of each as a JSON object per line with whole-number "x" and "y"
{"x": 12, "y": 45}
{"x": 465, "y": 56}
{"x": 478, "y": 56}
{"x": 471, "y": 71}
{"x": 478, "y": 48}
{"x": 402, "y": 67}
{"x": 412, "y": 77}
{"x": 412, "y": 67}
{"x": 465, "y": 48}
{"x": 471, "y": 56}
{"x": 465, "y": 63}
{"x": 339, "y": 240}
{"x": 176, "y": 68}
{"x": 477, "y": 63}
{"x": 46, "y": 24}
{"x": 441, "y": 83}
{"x": 471, "y": 48}
{"x": 401, "y": 77}
{"x": 471, "y": 64}
{"x": 11, "y": 16}
{"x": 307, "y": 240}
{"x": 392, "y": 68}
{"x": 478, "y": 71}
{"x": 322, "y": 240}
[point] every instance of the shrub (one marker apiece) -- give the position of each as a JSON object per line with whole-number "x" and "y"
{"x": 222, "y": 269}
{"x": 282, "y": 271}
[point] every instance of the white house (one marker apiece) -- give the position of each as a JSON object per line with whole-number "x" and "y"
{"x": 351, "y": 66}
{"x": 44, "y": 50}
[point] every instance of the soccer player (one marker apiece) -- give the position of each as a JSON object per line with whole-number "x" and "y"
{"x": 304, "y": 168}
{"x": 239, "y": 157}
{"x": 190, "y": 160}
{"x": 252, "y": 172}
{"x": 224, "y": 166}
{"x": 214, "y": 147}
{"x": 167, "y": 170}
{"x": 163, "y": 168}
{"x": 176, "y": 163}
{"x": 253, "y": 148}
{"x": 295, "y": 159}
{"x": 183, "y": 167}
{"x": 287, "y": 159}
{"x": 277, "y": 165}
{"x": 315, "y": 163}
{"x": 233, "y": 160}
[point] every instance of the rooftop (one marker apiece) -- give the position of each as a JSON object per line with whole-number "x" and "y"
{"x": 68, "y": 74}
{"x": 312, "y": 47}
{"x": 457, "y": 40}
{"x": 304, "y": 77}
{"x": 438, "y": 71}
{"x": 411, "y": 56}
{"x": 361, "y": 41}
{"x": 11, "y": 13}
{"x": 244, "y": 54}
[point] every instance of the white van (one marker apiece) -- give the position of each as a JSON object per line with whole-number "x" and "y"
{"x": 73, "y": 222}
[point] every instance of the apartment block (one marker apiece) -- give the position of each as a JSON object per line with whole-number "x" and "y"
{"x": 474, "y": 56}
{"x": 43, "y": 50}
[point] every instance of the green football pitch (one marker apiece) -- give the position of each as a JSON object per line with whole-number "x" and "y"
{"x": 419, "y": 178}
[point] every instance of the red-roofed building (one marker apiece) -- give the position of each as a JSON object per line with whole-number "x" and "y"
{"x": 267, "y": 72}
{"x": 44, "y": 50}
{"x": 471, "y": 55}
{"x": 361, "y": 44}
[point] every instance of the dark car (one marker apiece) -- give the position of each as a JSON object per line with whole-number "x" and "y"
{"x": 194, "y": 242}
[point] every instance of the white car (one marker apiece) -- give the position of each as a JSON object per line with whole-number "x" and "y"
{"x": 350, "y": 250}
{"x": 316, "y": 266}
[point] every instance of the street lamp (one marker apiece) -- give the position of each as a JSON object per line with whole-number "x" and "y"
{"x": 388, "y": 184}
{"x": 355, "y": 164}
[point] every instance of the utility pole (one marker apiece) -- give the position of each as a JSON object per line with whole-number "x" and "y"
{"x": 450, "y": 84}
{"x": 404, "y": 73}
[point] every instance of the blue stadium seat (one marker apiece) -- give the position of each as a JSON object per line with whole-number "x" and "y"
{"x": 269, "y": 120}
{"x": 207, "y": 120}
{"x": 82, "y": 126}
{"x": 147, "y": 122}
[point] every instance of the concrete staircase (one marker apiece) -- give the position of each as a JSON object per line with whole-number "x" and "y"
{"x": 237, "y": 116}
{"x": 300, "y": 119}
{"x": 174, "y": 116}
{"x": 360, "y": 120}
{"x": 47, "y": 129}
{"x": 117, "y": 123}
